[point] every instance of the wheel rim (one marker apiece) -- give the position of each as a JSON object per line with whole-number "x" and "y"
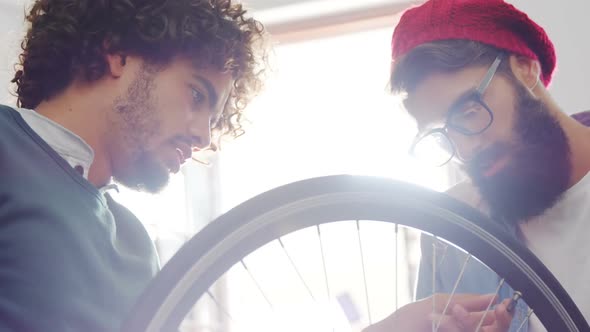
{"x": 323, "y": 200}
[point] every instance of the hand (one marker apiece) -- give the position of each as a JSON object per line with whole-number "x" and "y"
{"x": 463, "y": 314}
{"x": 460, "y": 319}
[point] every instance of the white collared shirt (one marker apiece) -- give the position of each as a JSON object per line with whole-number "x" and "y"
{"x": 71, "y": 147}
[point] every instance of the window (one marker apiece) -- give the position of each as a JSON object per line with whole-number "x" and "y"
{"x": 326, "y": 110}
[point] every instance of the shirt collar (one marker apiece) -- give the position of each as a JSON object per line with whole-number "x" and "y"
{"x": 71, "y": 147}
{"x": 67, "y": 144}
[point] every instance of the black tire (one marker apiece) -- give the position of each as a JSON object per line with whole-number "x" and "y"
{"x": 211, "y": 252}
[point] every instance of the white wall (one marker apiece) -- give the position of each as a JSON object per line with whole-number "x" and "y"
{"x": 568, "y": 26}
{"x": 11, "y": 32}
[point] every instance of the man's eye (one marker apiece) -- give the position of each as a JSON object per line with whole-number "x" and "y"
{"x": 198, "y": 97}
{"x": 468, "y": 113}
{"x": 469, "y": 110}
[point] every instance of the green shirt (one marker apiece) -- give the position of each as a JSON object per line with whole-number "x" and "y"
{"x": 71, "y": 259}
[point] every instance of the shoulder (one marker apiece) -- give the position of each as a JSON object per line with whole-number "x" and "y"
{"x": 6, "y": 111}
{"x": 8, "y": 117}
{"x": 462, "y": 190}
{"x": 467, "y": 193}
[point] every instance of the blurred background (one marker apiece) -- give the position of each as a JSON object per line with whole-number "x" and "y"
{"x": 325, "y": 110}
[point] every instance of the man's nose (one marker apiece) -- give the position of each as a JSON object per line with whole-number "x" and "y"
{"x": 200, "y": 132}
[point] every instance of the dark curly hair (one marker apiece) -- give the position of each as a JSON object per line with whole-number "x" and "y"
{"x": 67, "y": 40}
{"x": 442, "y": 56}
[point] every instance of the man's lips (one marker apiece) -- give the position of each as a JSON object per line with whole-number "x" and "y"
{"x": 490, "y": 161}
{"x": 496, "y": 166}
{"x": 183, "y": 150}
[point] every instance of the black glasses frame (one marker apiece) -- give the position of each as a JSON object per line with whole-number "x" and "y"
{"x": 475, "y": 96}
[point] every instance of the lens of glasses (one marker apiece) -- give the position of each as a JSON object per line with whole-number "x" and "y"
{"x": 435, "y": 149}
{"x": 473, "y": 117}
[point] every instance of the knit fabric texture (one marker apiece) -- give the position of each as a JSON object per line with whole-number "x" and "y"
{"x": 492, "y": 22}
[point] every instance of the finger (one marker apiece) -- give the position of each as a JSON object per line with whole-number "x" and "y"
{"x": 470, "y": 320}
{"x": 503, "y": 317}
{"x": 384, "y": 325}
{"x": 446, "y": 323}
{"x": 460, "y": 313}
{"x": 470, "y": 302}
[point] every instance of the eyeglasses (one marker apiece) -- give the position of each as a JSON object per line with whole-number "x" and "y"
{"x": 469, "y": 116}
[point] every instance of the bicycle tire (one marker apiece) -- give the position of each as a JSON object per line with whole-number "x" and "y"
{"x": 268, "y": 216}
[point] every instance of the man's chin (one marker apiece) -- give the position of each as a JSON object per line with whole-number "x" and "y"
{"x": 150, "y": 176}
{"x": 152, "y": 185}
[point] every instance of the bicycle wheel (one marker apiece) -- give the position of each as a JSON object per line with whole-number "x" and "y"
{"x": 271, "y": 215}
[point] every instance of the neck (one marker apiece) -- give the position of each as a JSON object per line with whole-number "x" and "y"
{"x": 82, "y": 110}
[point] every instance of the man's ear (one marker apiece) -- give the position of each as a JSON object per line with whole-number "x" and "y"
{"x": 526, "y": 70}
{"x": 116, "y": 64}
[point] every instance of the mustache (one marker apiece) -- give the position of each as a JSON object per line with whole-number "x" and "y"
{"x": 486, "y": 158}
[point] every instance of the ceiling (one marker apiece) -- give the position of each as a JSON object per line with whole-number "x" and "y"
{"x": 308, "y": 6}
{"x": 311, "y": 6}
{"x": 308, "y": 17}
{"x": 253, "y": 4}
{"x": 257, "y": 5}
{"x": 284, "y": 12}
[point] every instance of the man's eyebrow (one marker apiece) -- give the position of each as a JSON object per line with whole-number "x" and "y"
{"x": 465, "y": 96}
{"x": 212, "y": 94}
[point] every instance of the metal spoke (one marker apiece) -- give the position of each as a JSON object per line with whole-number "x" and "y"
{"x": 358, "y": 232}
{"x": 525, "y": 320}
{"x": 483, "y": 317}
{"x": 324, "y": 262}
{"x": 434, "y": 283}
{"x": 296, "y": 269}
{"x": 444, "y": 254}
{"x": 257, "y": 284}
{"x": 396, "y": 266}
{"x": 219, "y": 306}
{"x": 454, "y": 290}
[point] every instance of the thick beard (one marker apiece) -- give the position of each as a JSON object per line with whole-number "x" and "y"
{"x": 137, "y": 124}
{"x": 539, "y": 170}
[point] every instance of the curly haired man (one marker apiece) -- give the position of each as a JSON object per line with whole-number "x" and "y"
{"x": 108, "y": 90}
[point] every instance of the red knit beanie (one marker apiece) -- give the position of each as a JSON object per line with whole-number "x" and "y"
{"x": 492, "y": 22}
